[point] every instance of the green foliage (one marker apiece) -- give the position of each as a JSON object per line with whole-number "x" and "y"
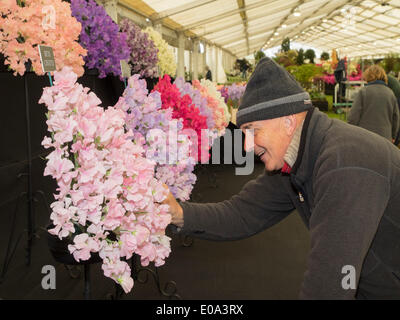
{"x": 325, "y": 56}
{"x": 391, "y": 63}
{"x": 396, "y": 67}
{"x": 259, "y": 55}
{"x": 316, "y": 95}
{"x": 300, "y": 57}
{"x": 305, "y": 73}
{"x": 286, "y": 59}
{"x": 292, "y": 55}
{"x": 232, "y": 80}
{"x": 310, "y": 54}
{"x": 285, "y": 46}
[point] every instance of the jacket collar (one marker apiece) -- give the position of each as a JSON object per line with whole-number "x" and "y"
{"x": 315, "y": 127}
{"x": 376, "y": 82}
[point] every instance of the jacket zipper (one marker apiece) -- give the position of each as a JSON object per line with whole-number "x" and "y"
{"x": 296, "y": 189}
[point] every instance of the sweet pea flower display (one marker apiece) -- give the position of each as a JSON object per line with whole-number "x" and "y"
{"x": 143, "y": 58}
{"x": 183, "y": 108}
{"x": 201, "y": 103}
{"x": 224, "y": 93}
{"x": 100, "y": 35}
{"x": 212, "y": 91}
{"x": 146, "y": 118}
{"x": 232, "y": 94}
{"x": 166, "y": 57}
{"x": 235, "y": 93}
{"x": 198, "y": 100}
{"x": 108, "y": 200}
{"x": 29, "y": 23}
{"x": 216, "y": 103}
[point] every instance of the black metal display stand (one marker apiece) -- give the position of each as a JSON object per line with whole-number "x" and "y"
{"x": 168, "y": 290}
{"x": 29, "y": 196}
{"x": 75, "y": 272}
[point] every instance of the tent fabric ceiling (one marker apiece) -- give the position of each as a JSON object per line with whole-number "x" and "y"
{"x": 355, "y": 27}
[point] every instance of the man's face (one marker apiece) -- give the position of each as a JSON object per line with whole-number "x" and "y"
{"x": 269, "y": 139}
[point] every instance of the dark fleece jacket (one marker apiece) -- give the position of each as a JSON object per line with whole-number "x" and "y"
{"x": 345, "y": 185}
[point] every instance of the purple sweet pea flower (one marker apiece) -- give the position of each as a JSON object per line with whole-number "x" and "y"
{"x": 143, "y": 58}
{"x": 100, "y": 35}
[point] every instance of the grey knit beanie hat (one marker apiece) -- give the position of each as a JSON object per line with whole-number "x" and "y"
{"x": 271, "y": 93}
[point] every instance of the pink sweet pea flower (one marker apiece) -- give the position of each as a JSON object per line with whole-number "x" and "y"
{"x": 105, "y": 185}
{"x": 126, "y": 282}
{"x": 128, "y": 244}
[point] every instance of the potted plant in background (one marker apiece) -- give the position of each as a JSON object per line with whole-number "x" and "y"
{"x": 325, "y": 56}
{"x": 391, "y": 63}
{"x": 310, "y": 55}
{"x": 305, "y": 74}
{"x": 259, "y": 55}
{"x": 319, "y": 100}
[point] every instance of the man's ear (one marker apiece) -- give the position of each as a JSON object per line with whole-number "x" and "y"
{"x": 290, "y": 124}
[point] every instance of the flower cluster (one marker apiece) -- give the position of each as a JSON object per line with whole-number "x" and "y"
{"x": 166, "y": 57}
{"x": 232, "y": 94}
{"x": 201, "y": 103}
{"x": 100, "y": 35}
{"x": 353, "y": 71}
{"x": 198, "y": 100}
{"x": 29, "y": 23}
{"x": 166, "y": 142}
{"x": 224, "y": 92}
{"x": 183, "y": 108}
{"x": 215, "y": 102}
{"x": 143, "y": 58}
{"x": 108, "y": 200}
{"x": 327, "y": 67}
{"x": 235, "y": 92}
{"x": 329, "y": 78}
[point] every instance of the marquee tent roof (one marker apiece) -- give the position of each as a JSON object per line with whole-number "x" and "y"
{"x": 354, "y": 27}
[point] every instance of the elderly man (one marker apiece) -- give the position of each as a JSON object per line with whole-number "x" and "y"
{"x": 343, "y": 180}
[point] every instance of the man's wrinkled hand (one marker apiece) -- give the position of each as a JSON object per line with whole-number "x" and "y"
{"x": 175, "y": 209}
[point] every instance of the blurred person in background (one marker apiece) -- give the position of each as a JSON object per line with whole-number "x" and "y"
{"x": 394, "y": 84}
{"x": 208, "y": 74}
{"x": 375, "y": 106}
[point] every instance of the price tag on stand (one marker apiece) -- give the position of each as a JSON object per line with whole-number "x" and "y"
{"x": 47, "y": 59}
